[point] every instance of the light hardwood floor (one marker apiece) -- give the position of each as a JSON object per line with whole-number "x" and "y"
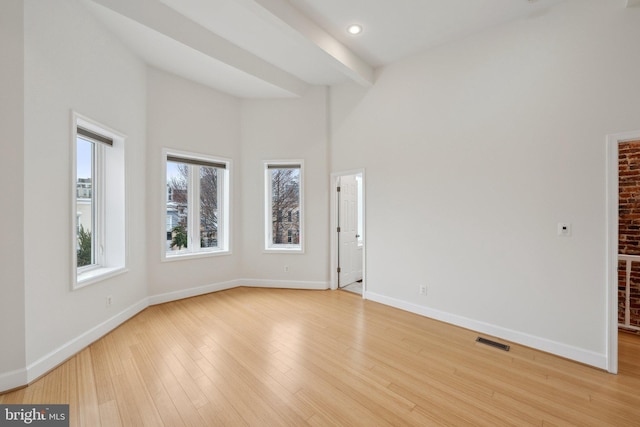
{"x": 264, "y": 357}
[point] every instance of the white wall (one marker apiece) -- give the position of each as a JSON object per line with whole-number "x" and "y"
{"x": 72, "y": 63}
{"x": 282, "y": 130}
{"x": 190, "y": 117}
{"x": 12, "y": 313}
{"x": 475, "y": 151}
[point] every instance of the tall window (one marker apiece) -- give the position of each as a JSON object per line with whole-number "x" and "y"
{"x": 283, "y": 215}
{"x": 99, "y": 204}
{"x": 87, "y": 156}
{"x": 196, "y": 205}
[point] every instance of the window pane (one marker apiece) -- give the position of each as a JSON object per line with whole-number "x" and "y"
{"x": 196, "y": 203}
{"x": 285, "y": 206}
{"x": 85, "y": 205}
{"x": 208, "y": 207}
{"x": 177, "y": 195}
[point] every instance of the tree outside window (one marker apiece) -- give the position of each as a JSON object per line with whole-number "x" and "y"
{"x": 284, "y": 187}
{"x": 195, "y": 203}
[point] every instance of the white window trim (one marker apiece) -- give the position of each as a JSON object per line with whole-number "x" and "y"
{"x": 282, "y": 248}
{"x": 105, "y": 266}
{"x": 224, "y": 213}
{"x": 360, "y": 196}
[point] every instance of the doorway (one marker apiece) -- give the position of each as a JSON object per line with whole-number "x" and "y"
{"x": 348, "y": 232}
{"x": 629, "y": 236}
{"x": 613, "y": 243}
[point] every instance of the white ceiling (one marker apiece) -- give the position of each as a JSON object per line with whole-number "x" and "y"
{"x": 278, "y": 48}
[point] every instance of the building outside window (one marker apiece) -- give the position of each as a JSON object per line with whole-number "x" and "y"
{"x": 283, "y": 206}
{"x": 88, "y": 157}
{"x": 99, "y": 202}
{"x": 196, "y": 205}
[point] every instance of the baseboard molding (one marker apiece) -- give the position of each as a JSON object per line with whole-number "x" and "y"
{"x": 559, "y": 349}
{"x": 255, "y": 283}
{"x": 13, "y": 379}
{"x": 192, "y": 292}
{"x": 284, "y": 284}
{"x": 71, "y": 348}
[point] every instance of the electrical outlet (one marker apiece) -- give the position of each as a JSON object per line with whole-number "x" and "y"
{"x": 422, "y": 290}
{"x": 286, "y": 268}
{"x": 109, "y": 300}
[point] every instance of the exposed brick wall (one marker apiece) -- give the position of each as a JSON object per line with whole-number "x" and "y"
{"x": 629, "y": 225}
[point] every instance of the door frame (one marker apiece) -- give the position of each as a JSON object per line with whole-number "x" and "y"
{"x": 613, "y": 142}
{"x": 333, "y": 226}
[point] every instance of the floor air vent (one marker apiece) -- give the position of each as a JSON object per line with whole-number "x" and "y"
{"x": 492, "y": 343}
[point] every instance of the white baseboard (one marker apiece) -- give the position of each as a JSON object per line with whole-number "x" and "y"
{"x": 192, "y": 292}
{"x": 13, "y": 379}
{"x": 284, "y": 284}
{"x": 215, "y": 287}
{"x": 559, "y": 349}
{"x": 69, "y": 349}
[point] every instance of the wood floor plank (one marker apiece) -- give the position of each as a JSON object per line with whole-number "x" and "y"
{"x": 134, "y": 402}
{"x": 109, "y": 414}
{"x": 88, "y": 409}
{"x": 255, "y": 357}
{"x": 74, "y": 397}
{"x": 169, "y": 406}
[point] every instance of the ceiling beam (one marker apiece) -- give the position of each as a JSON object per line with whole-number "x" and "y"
{"x": 296, "y": 23}
{"x": 166, "y": 21}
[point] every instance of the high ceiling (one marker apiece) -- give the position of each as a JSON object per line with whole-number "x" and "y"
{"x": 278, "y": 48}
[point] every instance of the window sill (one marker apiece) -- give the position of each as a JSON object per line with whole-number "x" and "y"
{"x": 284, "y": 250}
{"x": 97, "y": 275}
{"x": 193, "y": 255}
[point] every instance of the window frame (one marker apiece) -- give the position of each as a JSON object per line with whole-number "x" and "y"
{"x": 109, "y": 237}
{"x": 360, "y": 215}
{"x": 193, "y": 205}
{"x": 97, "y": 210}
{"x": 269, "y": 246}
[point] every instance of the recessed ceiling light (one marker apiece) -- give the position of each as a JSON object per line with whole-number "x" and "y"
{"x": 354, "y": 29}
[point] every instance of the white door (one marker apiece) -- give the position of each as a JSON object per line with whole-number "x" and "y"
{"x": 350, "y": 258}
